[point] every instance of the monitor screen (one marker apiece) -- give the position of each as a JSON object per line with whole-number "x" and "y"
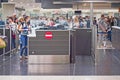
{"x": 4, "y": 0}
{"x": 78, "y": 12}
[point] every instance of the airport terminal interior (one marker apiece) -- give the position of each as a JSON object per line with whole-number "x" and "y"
{"x": 59, "y": 37}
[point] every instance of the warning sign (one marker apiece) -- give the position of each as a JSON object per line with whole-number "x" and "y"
{"x": 48, "y": 35}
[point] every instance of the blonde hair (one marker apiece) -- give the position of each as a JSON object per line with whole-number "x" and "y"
{"x": 76, "y": 20}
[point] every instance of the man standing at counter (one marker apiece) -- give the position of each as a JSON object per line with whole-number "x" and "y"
{"x": 101, "y": 30}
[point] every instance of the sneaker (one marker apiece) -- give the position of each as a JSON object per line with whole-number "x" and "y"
{"x": 21, "y": 57}
{"x": 26, "y": 57}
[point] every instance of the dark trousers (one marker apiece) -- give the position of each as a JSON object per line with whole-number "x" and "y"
{"x": 13, "y": 43}
{"x": 109, "y": 35}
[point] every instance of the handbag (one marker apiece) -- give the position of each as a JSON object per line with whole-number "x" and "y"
{"x": 2, "y": 43}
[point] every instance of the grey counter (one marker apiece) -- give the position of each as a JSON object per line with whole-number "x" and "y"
{"x": 61, "y": 48}
{"x": 54, "y": 50}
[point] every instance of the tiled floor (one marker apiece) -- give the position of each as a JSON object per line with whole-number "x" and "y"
{"x": 107, "y": 63}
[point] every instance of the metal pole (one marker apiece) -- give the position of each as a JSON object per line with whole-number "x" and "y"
{"x": 93, "y": 33}
{"x": 10, "y": 43}
{"x": 3, "y": 48}
{"x": 91, "y": 14}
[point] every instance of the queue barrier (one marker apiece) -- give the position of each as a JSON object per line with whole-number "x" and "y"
{"x": 6, "y": 52}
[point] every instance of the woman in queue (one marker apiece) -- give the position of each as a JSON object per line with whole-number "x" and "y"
{"x": 24, "y": 29}
{"x": 13, "y": 28}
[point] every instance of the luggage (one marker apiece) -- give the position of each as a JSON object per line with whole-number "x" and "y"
{"x": 2, "y": 43}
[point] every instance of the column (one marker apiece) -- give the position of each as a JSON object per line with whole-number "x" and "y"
{"x": 7, "y": 9}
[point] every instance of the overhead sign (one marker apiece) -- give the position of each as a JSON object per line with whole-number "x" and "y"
{"x": 96, "y": 0}
{"x": 48, "y": 35}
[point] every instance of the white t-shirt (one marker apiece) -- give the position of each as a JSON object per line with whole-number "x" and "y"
{"x": 84, "y": 24}
{"x": 13, "y": 26}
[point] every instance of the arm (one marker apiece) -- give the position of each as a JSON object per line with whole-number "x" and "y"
{"x": 102, "y": 27}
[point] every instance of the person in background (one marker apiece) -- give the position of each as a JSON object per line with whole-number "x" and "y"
{"x": 69, "y": 23}
{"x": 112, "y": 21}
{"x": 85, "y": 24}
{"x": 57, "y": 20}
{"x": 40, "y": 21}
{"x": 2, "y": 23}
{"x": 15, "y": 20}
{"x": 76, "y": 22}
{"x": 101, "y": 30}
{"x": 88, "y": 21}
{"x": 62, "y": 21}
{"x": 81, "y": 23}
{"x": 12, "y": 26}
{"x": 7, "y": 22}
{"x": 95, "y": 21}
{"x": 44, "y": 21}
{"x": 115, "y": 21}
{"x": 25, "y": 28}
{"x": 51, "y": 22}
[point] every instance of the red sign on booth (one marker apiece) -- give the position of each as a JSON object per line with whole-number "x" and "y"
{"x": 48, "y": 35}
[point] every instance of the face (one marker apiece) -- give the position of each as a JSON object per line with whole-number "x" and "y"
{"x": 43, "y": 18}
{"x": 61, "y": 18}
{"x": 10, "y": 20}
{"x": 28, "y": 19}
{"x": 14, "y": 15}
{"x": 106, "y": 19}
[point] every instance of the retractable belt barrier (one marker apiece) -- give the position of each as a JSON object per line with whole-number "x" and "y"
{"x": 102, "y": 32}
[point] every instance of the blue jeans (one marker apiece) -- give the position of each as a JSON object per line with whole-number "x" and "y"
{"x": 109, "y": 35}
{"x": 23, "y": 45}
{"x": 13, "y": 43}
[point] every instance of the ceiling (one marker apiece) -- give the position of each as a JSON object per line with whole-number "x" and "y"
{"x": 57, "y": 4}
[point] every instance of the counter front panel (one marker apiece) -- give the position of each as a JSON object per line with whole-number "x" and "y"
{"x": 49, "y": 48}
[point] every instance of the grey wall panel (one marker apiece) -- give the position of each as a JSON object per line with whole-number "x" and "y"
{"x": 83, "y": 41}
{"x": 116, "y": 38}
{"x": 113, "y": 37}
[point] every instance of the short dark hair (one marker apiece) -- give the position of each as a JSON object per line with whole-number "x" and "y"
{"x": 102, "y": 15}
{"x": 25, "y": 18}
{"x": 10, "y": 18}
